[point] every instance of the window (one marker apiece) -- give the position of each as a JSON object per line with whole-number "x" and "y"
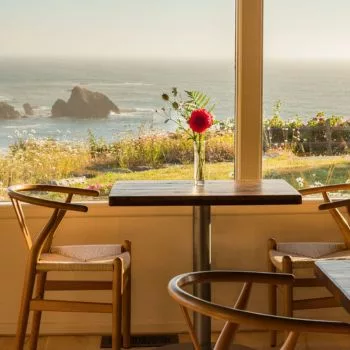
{"x": 306, "y": 92}
{"x": 55, "y": 58}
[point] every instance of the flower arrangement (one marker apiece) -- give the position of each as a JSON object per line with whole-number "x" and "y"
{"x": 192, "y": 117}
{"x": 192, "y": 112}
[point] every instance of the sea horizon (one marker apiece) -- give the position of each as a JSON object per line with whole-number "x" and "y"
{"x": 303, "y": 87}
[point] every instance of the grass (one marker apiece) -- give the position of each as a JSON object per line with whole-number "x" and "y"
{"x": 305, "y": 172}
{"x": 42, "y": 161}
{"x": 158, "y": 150}
{"x": 310, "y": 171}
{"x": 97, "y": 164}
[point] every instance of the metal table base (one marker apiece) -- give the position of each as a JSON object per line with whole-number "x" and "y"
{"x": 202, "y": 262}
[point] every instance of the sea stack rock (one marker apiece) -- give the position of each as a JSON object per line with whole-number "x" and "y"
{"x": 28, "y": 109}
{"x": 59, "y": 108}
{"x": 8, "y": 112}
{"x": 84, "y": 103}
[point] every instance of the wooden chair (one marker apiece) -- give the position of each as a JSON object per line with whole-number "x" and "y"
{"x": 44, "y": 258}
{"x": 234, "y": 316}
{"x": 290, "y": 256}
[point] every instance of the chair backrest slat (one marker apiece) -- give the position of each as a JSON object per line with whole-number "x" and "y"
{"x": 228, "y": 332}
{"x": 21, "y": 219}
{"x": 340, "y": 220}
{"x": 291, "y": 341}
{"x": 42, "y": 241}
{"x": 60, "y": 215}
{"x": 191, "y": 329}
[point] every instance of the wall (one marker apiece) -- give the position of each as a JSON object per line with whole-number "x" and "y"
{"x": 162, "y": 248}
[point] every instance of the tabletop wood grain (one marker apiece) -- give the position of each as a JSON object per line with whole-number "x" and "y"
{"x": 336, "y": 276}
{"x": 216, "y": 192}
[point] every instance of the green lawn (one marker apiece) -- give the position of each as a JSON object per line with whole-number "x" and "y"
{"x": 300, "y": 172}
{"x": 100, "y": 165}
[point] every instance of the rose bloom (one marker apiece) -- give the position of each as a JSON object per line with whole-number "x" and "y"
{"x": 200, "y": 120}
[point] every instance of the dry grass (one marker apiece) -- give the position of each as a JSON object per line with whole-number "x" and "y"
{"x": 158, "y": 156}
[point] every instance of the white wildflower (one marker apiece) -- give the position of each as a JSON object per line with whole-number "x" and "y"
{"x": 300, "y": 181}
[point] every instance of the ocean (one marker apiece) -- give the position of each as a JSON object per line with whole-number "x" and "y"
{"x": 304, "y": 88}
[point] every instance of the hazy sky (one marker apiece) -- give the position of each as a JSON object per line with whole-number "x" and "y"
{"x": 169, "y": 28}
{"x": 307, "y": 29}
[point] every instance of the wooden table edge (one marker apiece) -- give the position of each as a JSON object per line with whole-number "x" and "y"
{"x": 332, "y": 287}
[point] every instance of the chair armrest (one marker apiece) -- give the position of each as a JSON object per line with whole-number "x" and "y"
{"x": 48, "y": 203}
{"x": 54, "y": 188}
{"x": 235, "y": 276}
{"x": 336, "y": 204}
{"x": 327, "y": 188}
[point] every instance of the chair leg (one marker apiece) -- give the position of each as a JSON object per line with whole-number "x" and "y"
{"x": 126, "y": 303}
{"x": 287, "y": 267}
{"x": 28, "y": 286}
{"x": 126, "y": 313}
{"x": 38, "y": 294}
{"x": 116, "y": 305}
{"x": 272, "y": 291}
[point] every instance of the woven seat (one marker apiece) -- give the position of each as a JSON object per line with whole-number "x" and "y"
{"x": 83, "y": 258}
{"x": 304, "y": 254}
{"x": 44, "y": 258}
{"x": 288, "y": 257}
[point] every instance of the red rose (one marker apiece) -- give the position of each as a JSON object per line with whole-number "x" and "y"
{"x": 200, "y": 120}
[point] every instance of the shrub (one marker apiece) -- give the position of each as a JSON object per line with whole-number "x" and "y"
{"x": 40, "y": 161}
{"x": 157, "y": 150}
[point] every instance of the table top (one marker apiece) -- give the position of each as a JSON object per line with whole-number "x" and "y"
{"x": 215, "y": 192}
{"x": 336, "y": 276}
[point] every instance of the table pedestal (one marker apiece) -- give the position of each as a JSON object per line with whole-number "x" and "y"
{"x": 202, "y": 262}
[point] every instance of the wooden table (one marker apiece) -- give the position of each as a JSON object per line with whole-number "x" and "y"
{"x": 336, "y": 277}
{"x": 201, "y": 198}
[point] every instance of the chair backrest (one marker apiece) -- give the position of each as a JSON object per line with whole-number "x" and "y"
{"x": 337, "y": 215}
{"x": 41, "y": 242}
{"x": 237, "y": 315}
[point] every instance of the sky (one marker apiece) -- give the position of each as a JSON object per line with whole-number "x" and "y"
{"x": 293, "y": 29}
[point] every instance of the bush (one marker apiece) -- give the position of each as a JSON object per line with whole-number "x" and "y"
{"x": 41, "y": 161}
{"x": 320, "y": 135}
{"x": 157, "y": 150}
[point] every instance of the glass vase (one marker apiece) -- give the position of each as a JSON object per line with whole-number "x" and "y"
{"x": 199, "y": 162}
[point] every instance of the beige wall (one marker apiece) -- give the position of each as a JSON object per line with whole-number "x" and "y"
{"x": 162, "y": 248}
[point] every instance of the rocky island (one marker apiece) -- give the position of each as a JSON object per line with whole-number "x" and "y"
{"x": 8, "y": 112}
{"x": 28, "y": 109}
{"x": 84, "y": 103}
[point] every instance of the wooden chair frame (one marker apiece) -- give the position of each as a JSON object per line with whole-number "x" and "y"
{"x": 234, "y": 316}
{"x": 289, "y": 303}
{"x": 36, "y": 283}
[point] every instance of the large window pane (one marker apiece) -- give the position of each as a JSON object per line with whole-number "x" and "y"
{"x": 306, "y": 91}
{"x": 58, "y": 57}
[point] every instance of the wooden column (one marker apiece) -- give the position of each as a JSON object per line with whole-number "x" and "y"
{"x": 249, "y": 89}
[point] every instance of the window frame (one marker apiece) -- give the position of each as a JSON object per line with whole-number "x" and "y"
{"x": 249, "y": 89}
